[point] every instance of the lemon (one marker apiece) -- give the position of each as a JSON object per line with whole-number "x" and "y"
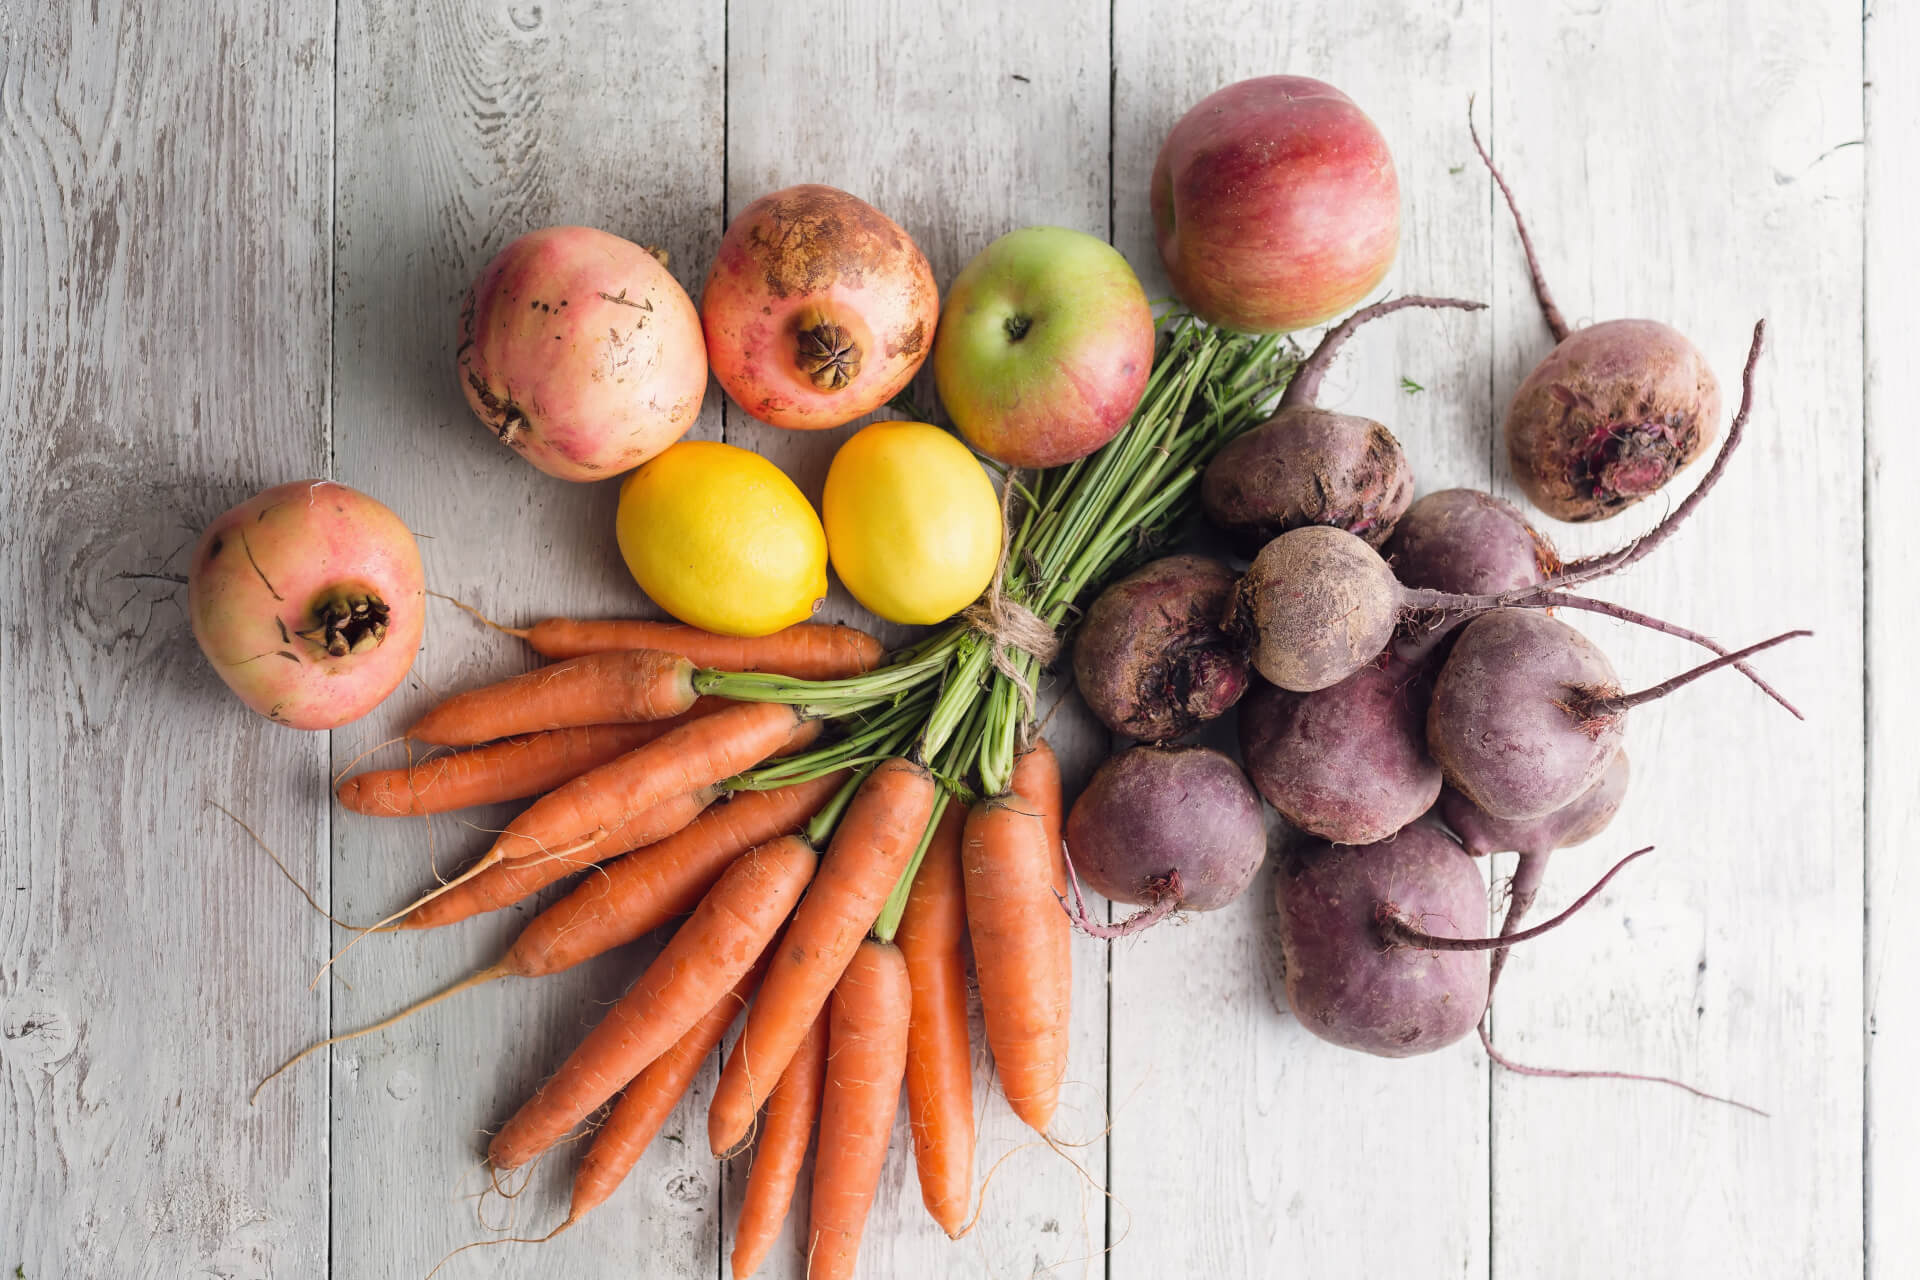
{"x": 720, "y": 538}
{"x": 912, "y": 520}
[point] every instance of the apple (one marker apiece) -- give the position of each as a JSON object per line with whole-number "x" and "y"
{"x": 1275, "y": 205}
{"x": 1044, "y": 348}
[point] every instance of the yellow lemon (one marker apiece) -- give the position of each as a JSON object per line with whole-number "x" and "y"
{"x": 913, "y": 523}
{"x": 720, "y": 538}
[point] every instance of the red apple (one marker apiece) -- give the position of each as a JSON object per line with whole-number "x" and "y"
{"x": 1275, "y": 205}
{"x": 1044, "y": 348}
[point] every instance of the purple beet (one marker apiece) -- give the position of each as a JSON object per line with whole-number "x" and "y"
{"x": 1589, "y": 813}
{"x": 1527, "y": 712}
{"x": 1348, "y": 763}
{"x": 1612, "y": 413}
{"x": 1165, "y": 828}
{"x": 1312, "y": 466}
{"x": 1535, "y": 840}
{"x": 1318, "y": 603}
{"x": 1501, "y": 722}
{"x": 1467, "y": 541}
{"x": 1151, "y": 659}
{"x": 1344, "y": 982}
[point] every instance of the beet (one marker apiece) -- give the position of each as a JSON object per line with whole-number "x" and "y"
{"x": 1467, "y": 541}
{"x": 1166, "y": 828}
{"x": 1348, "y": 763}
{"x": 1318, "y": 603}
{"x": 1308, "y": 466}
{"x": 1612, "y": 413}
{"x": 1527, "y": 712}
{"x": 1344, "y": 982}
{"x": 1575, "y": 823}
{"x": 1501, "y": 723}
{"x": 1151, "y": 659}
{"x": 1535, "y": 841}
{"x": 1311, "y": 466}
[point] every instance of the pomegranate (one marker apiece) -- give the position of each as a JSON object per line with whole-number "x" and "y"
{"x": 582, "y": 352}
{"x": 819, "y": 308}
{"x": 309, "y": 600}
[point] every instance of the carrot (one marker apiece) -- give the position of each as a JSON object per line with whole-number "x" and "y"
{"x": 866, "y": 1057}
{"x": 650, "y": 886}
{"x": 505, "y": 883}
{"x": 649, "y": 1099}
{"x": 1022, "y": 949}
{"x": 1036, "y": 775}
{"x": 715, "y": 947}
{"x": 601, "y": 688}
{"x": 601, "y": 804}
{"x": 876, "y": 839}
{"x": 635, "y": 895}
{"x": 511, "y": 769}
{"x": 628, "y": 802}
{"x": 807, "y": 650}
{"x": 933, "y": 938}
{"x": 780, "y": 1151}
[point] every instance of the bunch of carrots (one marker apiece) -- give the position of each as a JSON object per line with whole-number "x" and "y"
{"x": 835, "y": 829}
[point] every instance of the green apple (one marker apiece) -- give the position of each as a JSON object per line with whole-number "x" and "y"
{"x": 1044, "y": 348}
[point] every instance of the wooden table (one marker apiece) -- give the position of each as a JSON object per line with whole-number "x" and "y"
{"x": 233, "y": 239}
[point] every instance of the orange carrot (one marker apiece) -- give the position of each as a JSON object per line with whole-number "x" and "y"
{"x": 1022, "y": 949}
{"x": 649, "y": 1099}
{"x": 601, "y": 688}
{"x": 710, "y": 953}
{"x": 505, "y": 883}
{"x": 605, "y": 802}
{"x": 808, "y": 650}
{"x": 866, "y": 1057}
{"x": 1036, "y": 775}
{"x": 933, "y": 938}
{"x": 642, "y": 891}
{"x": 780, "y": 1151}
{"x": 628, "y": 802}
{"x": 511, "y": 769}
{"x": 635, "y": 895}
{"x": 876, "y": 839}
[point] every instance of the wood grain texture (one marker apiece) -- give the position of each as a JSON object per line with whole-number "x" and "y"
{"x": 1704, "y": 178}
{"x": 463, "y": 125}
{"x": 1893, "y": 697}
{"x": 1243, "y": 1145}
{"x": 204, "y": 290}
{"x": 163, "y": 283}
{"x": 961, "y": 123}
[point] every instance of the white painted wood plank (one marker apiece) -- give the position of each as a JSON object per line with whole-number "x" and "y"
{"x": 1680, "y": 162}
{"x": 164, "y": 284}
{"x": 1242, "y": 1145}
{"x": 960, "y": 122}
{"x": 462, "y": 126}
{"x": 1893, "y": 697}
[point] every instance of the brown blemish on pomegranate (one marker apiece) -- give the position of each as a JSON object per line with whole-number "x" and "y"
{"x": 909, "y": 341}
{"x": 807, "y": 237}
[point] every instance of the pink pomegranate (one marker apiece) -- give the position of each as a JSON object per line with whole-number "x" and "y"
{"x": 309, "y": 601}
{"x": 1275, "y": 205}
{"x": 819, "y": 308}
{"x": 581, "y": 351}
